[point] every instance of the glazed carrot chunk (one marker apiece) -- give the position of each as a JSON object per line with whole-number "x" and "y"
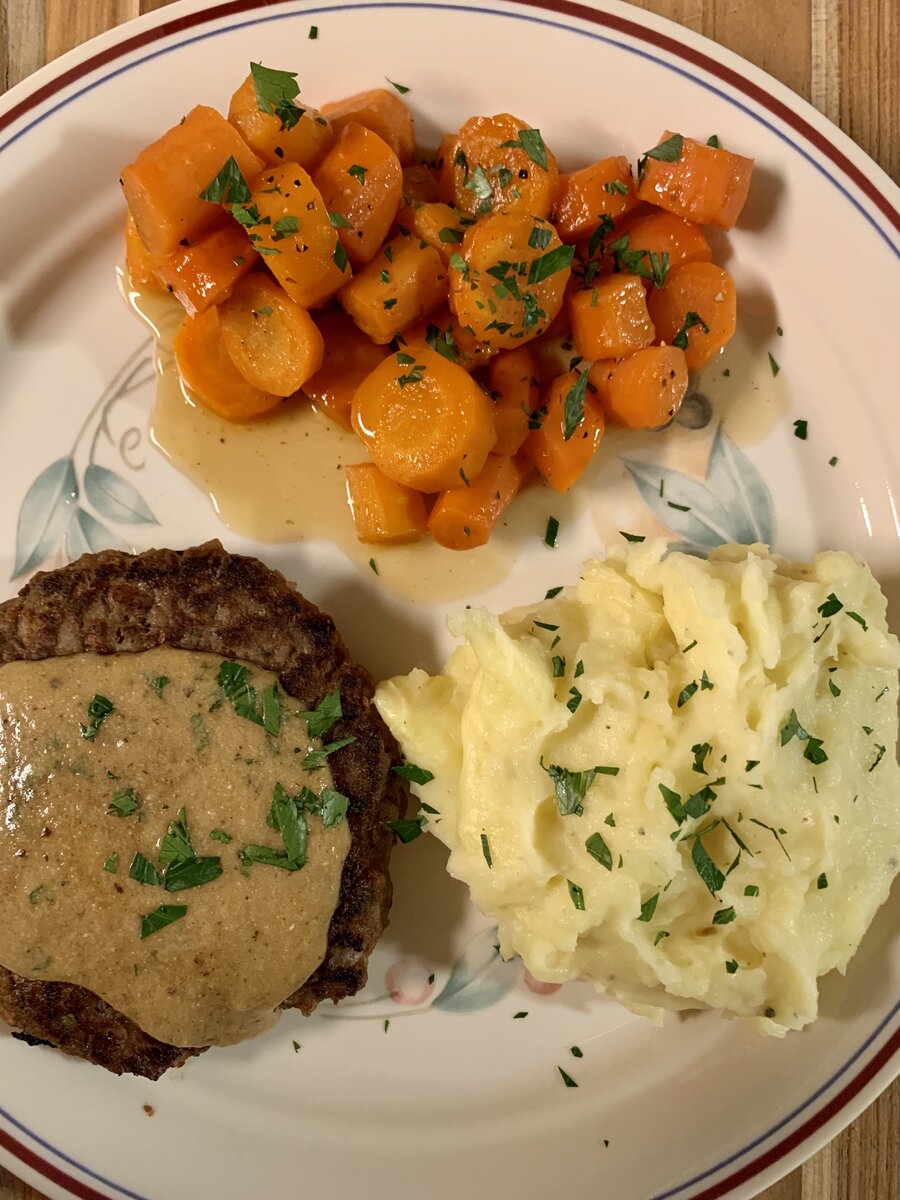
{"x": 464, "y": 517}
{"x": 498, "y": 164}
{"x": 162, "y": 186}
{"x": 510, "y": 279}
{"x": 562, "y": 448}
{"x": 440, "y": 226}
{"x": 384, "y": 512}
{"x": 382, "y": 112}
{"x": 605, "y": 188}
{"x": 512, "y": 380}
{"x": 204, "y": 273}
{"x": 305, "y": 142}
{"x": 705, "y": 184}
{"x": 361, "y": 183}
{"x": 207, "y": 369}
{"x": 141, "y": 266}
{"x": 661, "y": 233}
{"x": 293, "y": 230}
{"x": 643, "y": 391}
{"x": 402, "y": 284}
{"x": 349, "y": 357}
{"x": 272, "y": 341}
{"x": 611, "y": 319}
{"x": 696, "y": 310}
{"x": 424, "y": 421}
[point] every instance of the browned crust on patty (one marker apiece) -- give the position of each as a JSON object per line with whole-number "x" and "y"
{"x": 208, "y": 600}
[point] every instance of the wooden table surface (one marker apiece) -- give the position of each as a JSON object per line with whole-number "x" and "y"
{"x": 844, "y": 56}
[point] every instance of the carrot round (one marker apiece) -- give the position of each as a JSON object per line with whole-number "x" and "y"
{"x": 464, "y": 517}
{"x": 440, "y": 226}
{"x": 610, "y": 319}
{"x": 290, "y": 226}
{"x": 361, "y": 183}
{"x": 349, "y": 357}
{"x": 272, "y": 341}
{"x": 700, "y": 183}
{"x": 381, "y": 111}
{"x": 207, "y": 369}
{"x": 661, "y": 233}
{"x": 512, "y": 380}
{"x": 384, "y": 512}
{"x": 572, "y": 426}
{"x": 584, "y": 197}
{"x": 696, "y": 310}
{"x": 498, "y": 163}
{"x": 643, "y": 391}
{"x": 404, "y": 282}
{"x": 509, "y": 281}
{"x": 424, "y": 421}
{"x": 204, "y": 273}
{"x": 162, "y": 186}
{"x": 304, "y": 142}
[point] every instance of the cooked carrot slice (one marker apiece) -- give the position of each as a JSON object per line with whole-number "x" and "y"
{"x": 697, "y": 307}
{"x": 643, "y": 391}
{"x": 510, "y": 279}
{"x": 402, "y": 284}
{"x": 560, "y": 459}
{"x": 141, "y": 266}
{"x": 349, "y": 357}
{"x": 305, "y": 142}
{"x": 498, "y": 164}
{"x": 207, "y": 369}
{"x": 273, "y": 342}
{"x": 584, "y": 197}
{"x": 384, "y": 512}
{"x": 464, "y": 517}
{"x": 361, "y": 183}
{"x": 661, "y": 233}
{"x": 424, "y": 421}
{"x": 705, "y": 184}
{"x": 611, "y": 319}
{"x": 294, "y": 232}
{"x": 383, "y": 113}
{"x": 514, "y": 390}
{"x": 440, "y": 226}
{"x": 162, "y": 186}
{"x": 204, "y": 273}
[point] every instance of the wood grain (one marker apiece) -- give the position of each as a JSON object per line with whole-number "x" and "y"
{"x": 843, "y": 55}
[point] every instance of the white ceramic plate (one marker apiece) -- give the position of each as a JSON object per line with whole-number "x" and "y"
{"x": 455, "y": 1097}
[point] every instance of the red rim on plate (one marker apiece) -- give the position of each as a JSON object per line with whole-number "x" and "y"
{"x": 842, "y": 1101}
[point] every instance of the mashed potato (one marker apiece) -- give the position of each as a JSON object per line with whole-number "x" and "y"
{"x": 677, "y": 779}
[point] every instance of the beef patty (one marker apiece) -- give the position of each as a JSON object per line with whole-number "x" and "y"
{"x": 205, "y": 599}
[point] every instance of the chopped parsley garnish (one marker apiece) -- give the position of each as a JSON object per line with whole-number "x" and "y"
{"x": 557, "y": 259}
{"x": 339, "y": 257}
{"x": 219, "y": 835}
{"x": 165, "y": 915}
{"x": 401, "y": 87}
{"x": 751, "y": 890}
{"x": 228, "y": 187}
{"x": 705, "y": 684}
{"x": 551, "y": 592}
{"x": 686, "y": 692}
{"x": 700, "y": 752}
{"x": 284, "y": 227}
{"x": 663, "y": 933}
{"x": 574, "y": 700}
{"x": 813, "y": 751}
{"x": 374, "y": 565}
{"x": 158, "y": 683}
{"x": 673, "y": 804}
{"x": 632, "y": 537}
{"x": 822, "y": 881}
{"x": 413, "y": 773}
{"x": 326, "y": 713}
{"x": 576, "y": 895}
{"x": 648, "y": 908}
{"x": 597, "y": 848}
{"x": 176, "y": 845}
{"x": 830, "y": 606}
{"x": 232, "y": 679}
{"x": 486, "y": 851}
{"x": 98, "y": 710}
{"x": 407, "y": 829}
{"x": 539, "y": 238}
{"x": 706, "y": 868}
{"x": 112, "y": 864}
{"x": 724, "y": 916}
{"x": 143, "y": 871}
{"x": 854, "y": 616}
{"x": 616, "y": 187}
{"x": 879, "y": 756}
{"x": 532, "y": 143}
{"x": 667, "y": 151}
{"x": 776, "y": 834}
{"x": 312, "y": 35}
{"x": 573, "y": 409}
{"x": 558, "y": 665}
{"x": 315, "y": 759}
{"x": 567, "y": 1079}
{"x": 552, "y": 532}
{"x": 185, "y": 873}
{"x": 265, "y": 311}
{"x": 800, "y": 427}
{"x": 832, "y": 462}
{"x": 124, "y": 802}
{"x": 480, "y": 187}
{"x": 571, "y": 786}
{"x": 334, "y": 807}
{"x": 775, "y": 367}
{"x": 275, "y": 93}
{"x": 690, "y": 320}
{"x": 731, "y": 966}
{"x": 35, "y": 896}
{"x": 713, "y": 141}
{"x": 793, "y": 728}
{"x": 339, "y": 221}
{"x": 450, "y": 235}
{"x": 519, "y": 1015}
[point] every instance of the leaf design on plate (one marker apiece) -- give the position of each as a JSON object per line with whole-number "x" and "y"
{"x": 45, "y": 514}
{"x": 480, "y": 977}
{"x": 87, "y": 535}
{"x": 732, "y": 504}
{"x": 115, "y": 498}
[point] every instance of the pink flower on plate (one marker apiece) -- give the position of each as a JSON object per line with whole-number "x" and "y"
{"x": 535, "y": 985}
{"x": 410, "y": 982}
